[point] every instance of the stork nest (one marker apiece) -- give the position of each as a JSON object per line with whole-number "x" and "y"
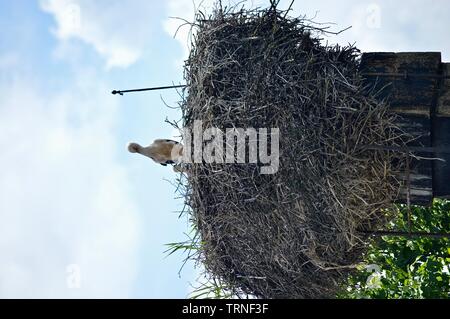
{"x": 299, "y": 232}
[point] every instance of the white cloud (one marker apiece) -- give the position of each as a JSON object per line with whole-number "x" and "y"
{"x": 180, "y": 11}
{"x": 64, "y": 199}
{"x": 383, "y": 25}
{"x": 8, "y": 60}
{"x": 118, "y": 32}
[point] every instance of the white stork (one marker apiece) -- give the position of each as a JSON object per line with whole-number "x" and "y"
{"x": 161, "y": 151}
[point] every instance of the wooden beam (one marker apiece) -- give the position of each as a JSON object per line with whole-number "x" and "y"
{"x": 414, "y": 99}
{"x": 407, "y": 95}
{"x": 443, "y": 104}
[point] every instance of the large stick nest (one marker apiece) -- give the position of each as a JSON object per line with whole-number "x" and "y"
{"x": 299, "y": 232}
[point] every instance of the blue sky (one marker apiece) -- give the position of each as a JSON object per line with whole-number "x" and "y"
{"x": 73, "y": 202}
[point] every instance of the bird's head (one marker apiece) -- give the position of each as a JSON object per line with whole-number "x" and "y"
{"x": 134, "y": 148}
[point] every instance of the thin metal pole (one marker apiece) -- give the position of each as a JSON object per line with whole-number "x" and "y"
{"x": 121, "y": 92}
{"x": 380, "y": 233}
{"x": 408, "y": 192}
{"x": 406, "y": 149}
{"x": 406, "y": 75}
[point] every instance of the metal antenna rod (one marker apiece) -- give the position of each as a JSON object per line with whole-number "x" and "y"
{"x": 406, "y": 234}
{"x": 121, "y": 92}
